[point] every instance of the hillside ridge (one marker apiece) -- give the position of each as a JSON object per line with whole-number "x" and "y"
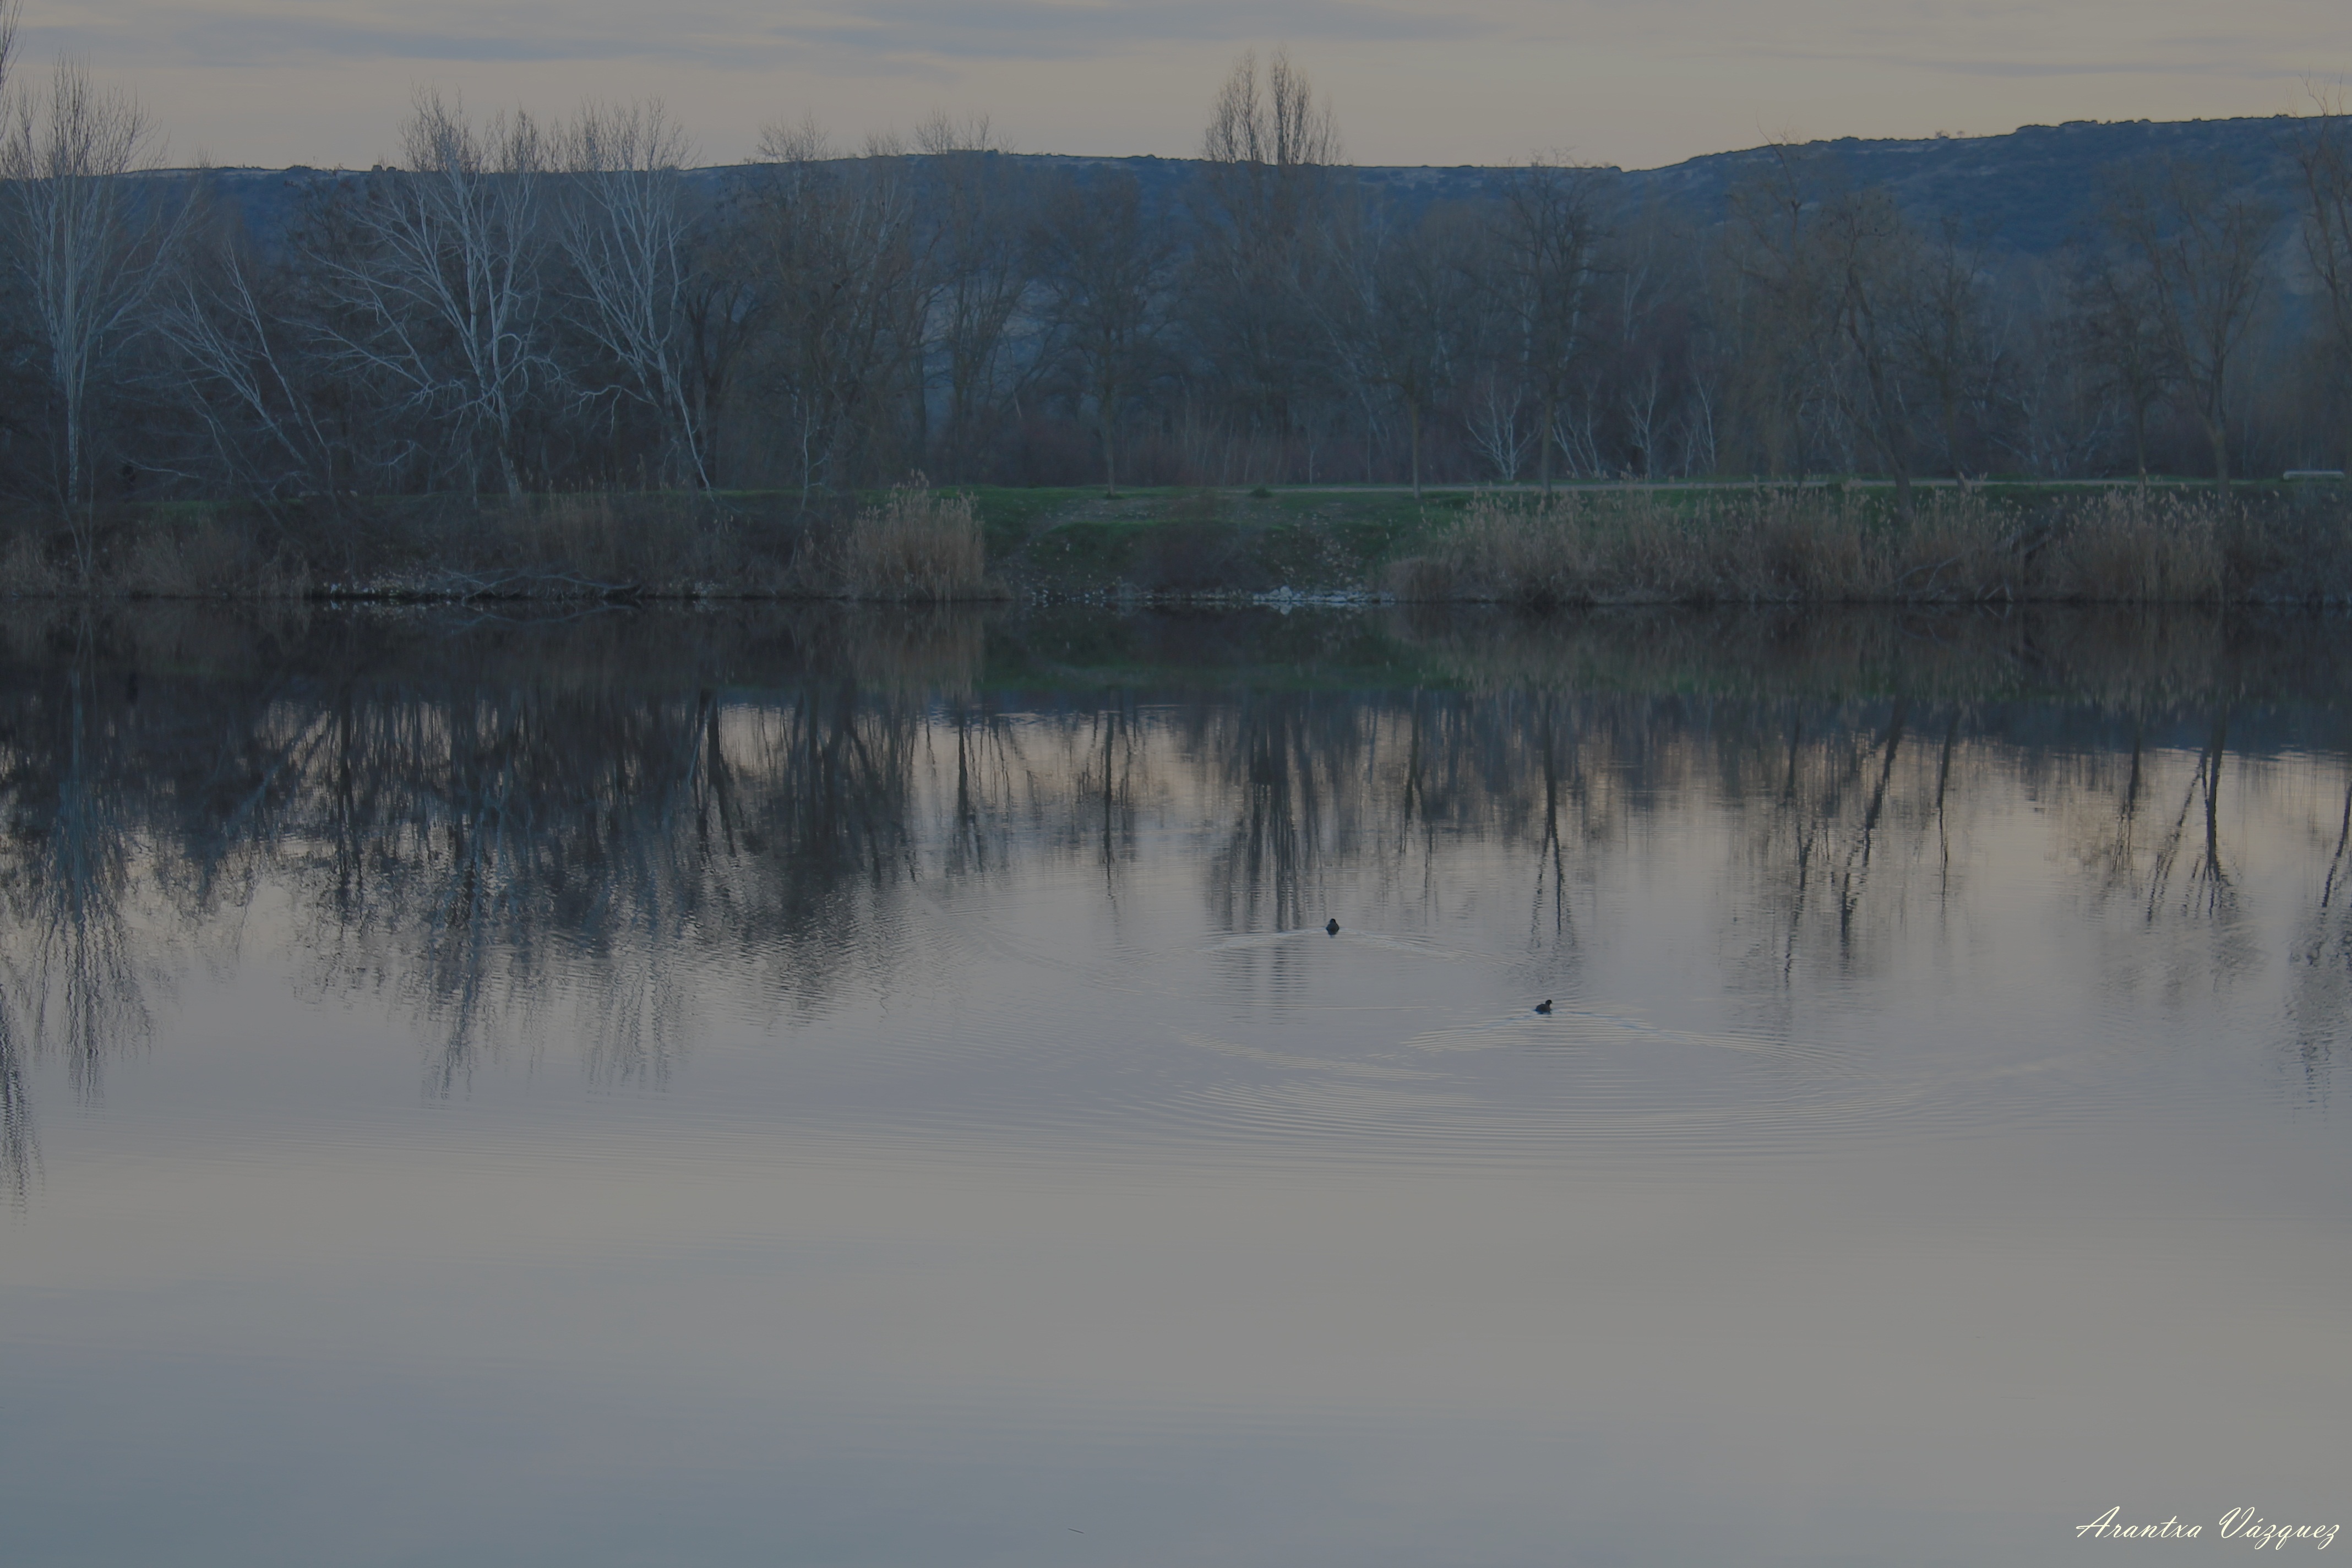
{"x": 2029, "y": 190}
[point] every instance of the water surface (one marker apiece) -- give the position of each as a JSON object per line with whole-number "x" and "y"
{"x": 803, "y": 1087}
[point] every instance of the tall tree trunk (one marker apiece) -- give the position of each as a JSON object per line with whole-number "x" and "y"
{"x": 1110, "y": 453}
{"x": 1543, "y": 444}
{"x": 1413, "y": 422}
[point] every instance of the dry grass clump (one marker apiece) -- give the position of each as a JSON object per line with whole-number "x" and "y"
{"x": 158, "y": 552}
{"x": 562, "y": 546}
{"x": 598, "y": 542}
{"x": 1821, "y": 545}
{"x": 201, "y": 558}
{"x": 569, "y": 546}
{"x": 1635, "y": 548}
{"x": 26, "y": 568}
{"x": 2135, "y": 547}
{"x": 1434, "y": 579}
{"x": 581, "y": 535}
{"x": 576, "y": 546}
{"x": 916, "y": 547}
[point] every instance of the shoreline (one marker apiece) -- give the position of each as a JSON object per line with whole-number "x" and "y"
{"x": 1797, "y": 544}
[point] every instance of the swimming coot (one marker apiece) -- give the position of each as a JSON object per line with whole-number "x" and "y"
{"x": 1544, "y": 1006}
{"x": 1331, "y": 928}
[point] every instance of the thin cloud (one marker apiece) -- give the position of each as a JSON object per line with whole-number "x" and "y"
{"x": 2188, "y": 61}
{"x": 1634, "y": 82}
{"x": 885, "y": 36}
{"x": 1039, "y": 29}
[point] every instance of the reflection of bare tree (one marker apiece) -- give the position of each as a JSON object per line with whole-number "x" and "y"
{"x": 990, "y": 771}
{"x": 70, "y": 826}
{"x": 1563, "y": 786}
{"x": 2208, "y": 883}
{"x": 601, "y": 830}
{"x": 1284, "y": 759}
{"x": 19, "y": 1154}
{"x": 2321, "y": 978}
{"x": 522, "y": 841}
{"x": 1107, "y": 786}
{"x": 87, "y": 991}
{"x": 72, "y": 976}
{"x": 1822, "y": 795}
{"x": 2335, "y": 861}
{"x": 2115, "y": 856}
{"x": 496, "y": 851}
{"x": 1856, "y": 869}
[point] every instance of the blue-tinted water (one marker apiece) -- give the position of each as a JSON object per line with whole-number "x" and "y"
{"x": 774, "y": 1086}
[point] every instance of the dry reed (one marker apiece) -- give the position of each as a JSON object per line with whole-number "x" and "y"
{"x": 917, "y": 547}
{"x": 201, "y": 558}
{"x": 1792, "y": 546}
{"x": 26, "y": 568}
{"x": 562, "y": 546}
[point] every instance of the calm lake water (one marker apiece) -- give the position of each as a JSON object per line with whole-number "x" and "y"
{"x": 778, "y": 1087}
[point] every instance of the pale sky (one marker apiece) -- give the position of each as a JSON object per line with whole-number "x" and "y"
{"x": 1413, "y": 81}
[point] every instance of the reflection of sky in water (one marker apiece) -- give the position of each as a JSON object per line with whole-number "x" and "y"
{"x": 873, "y": 1112}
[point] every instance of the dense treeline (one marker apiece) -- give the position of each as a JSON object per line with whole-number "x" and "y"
{"x": 525, "y": 306}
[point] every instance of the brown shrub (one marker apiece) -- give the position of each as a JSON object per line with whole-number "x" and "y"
{"x": 1424, "y": 580}
{"x": 917, "y": 547}
{"x": 26, "y": 568}
{"x": 1807, "y": 545}
{"x": 2138, "y": 547}
{"x": 580, "y": 534}
{"x": 201, "y": 558}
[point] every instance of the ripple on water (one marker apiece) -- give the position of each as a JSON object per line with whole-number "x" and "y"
{"x": 1139, "y": 1047}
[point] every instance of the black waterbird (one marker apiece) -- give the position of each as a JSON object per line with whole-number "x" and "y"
{"x": 1544, "y": 1006}
{"x": 1331, "y": 926}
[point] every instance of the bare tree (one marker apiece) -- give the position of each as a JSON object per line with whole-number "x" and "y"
{"x": 1258, "y": 208}
{"x": 443, "y": 290}
{"x": 1762, "y": 363}
{"x": 1548, "y": 227}
{"x": 1277, "y": 124}
{"x": 511, "y": 305}
{"x": 837, "y": 254}
{"x": 91, "y": 244}
{"x": 2323, "y": 155}
{"x": 1866, "y": 259}
{"x": 245, "y": 372}
{"x": 2199, "y": 235}
{"x": 2058, "y": 415}
{"x": 1501, "y": 427}
{"x": 981, "y": 275}
{"x": 1836, "y": 262}
{"x": 1944, "y": 331}
{"x": 624, "y": 228}
{"x": 1641, "y": 264}
{"x": 2114, "y": 323}
{"x": 1395, "y": 324}
{"x": 1102, "y": 263}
